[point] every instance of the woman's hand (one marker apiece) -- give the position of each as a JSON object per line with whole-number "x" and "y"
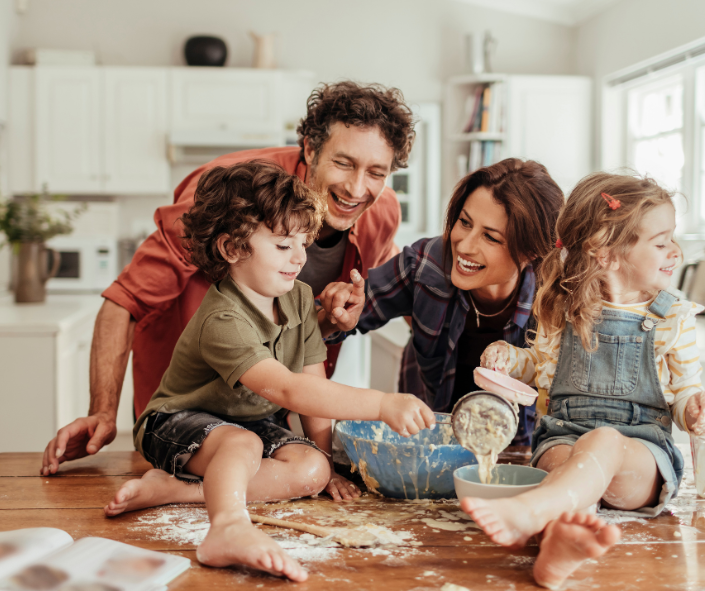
{"x": 341, "y": 488}
{"x": 496, "y": 357}
{"x": 695, "y": 413}
{"x": 343, "y": 302}
{"x": 406, "y": 414}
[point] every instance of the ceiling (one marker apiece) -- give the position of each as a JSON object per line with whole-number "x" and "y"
{"x": 566, "y": 12}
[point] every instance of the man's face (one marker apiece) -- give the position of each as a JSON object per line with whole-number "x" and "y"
{"x": 352, "y": 167}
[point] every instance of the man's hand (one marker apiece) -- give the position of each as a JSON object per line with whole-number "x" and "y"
{"x": 406, "y": 414}
{"x": 85, "y": 436}
{"x": 694, "y": 413}
{"x": 341, "y": 488}
{"x": 496, "y": 357}
{"x": 343, "y": 302}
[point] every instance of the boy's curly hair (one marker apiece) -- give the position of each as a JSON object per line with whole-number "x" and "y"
{"x": 235, "y": 201}
{"x": 362, "y": 106}
{"x": 572, "y": 279}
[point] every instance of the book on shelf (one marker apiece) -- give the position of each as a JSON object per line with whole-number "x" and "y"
{"x": 48, "y": 559}
{"x": 483, "y": 109}
{"x": 481, "y": 153}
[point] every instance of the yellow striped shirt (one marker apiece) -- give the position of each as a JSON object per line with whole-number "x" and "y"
{"x": 677, "y": 357}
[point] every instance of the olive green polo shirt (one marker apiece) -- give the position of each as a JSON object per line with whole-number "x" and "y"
{"x": 227, "y": 336}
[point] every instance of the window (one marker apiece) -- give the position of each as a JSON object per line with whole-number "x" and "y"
{"x": 653, "y": 121}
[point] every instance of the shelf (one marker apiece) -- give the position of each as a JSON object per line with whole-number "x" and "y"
{"x": 465, "y": 79}
{"x": 490, "y": 136}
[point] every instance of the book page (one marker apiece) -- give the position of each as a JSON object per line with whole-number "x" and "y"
{"x": 97, "y": 564}
{"x": 21, "y": 547}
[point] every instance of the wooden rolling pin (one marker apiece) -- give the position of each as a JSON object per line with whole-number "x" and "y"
{"x": 352, "y": 538}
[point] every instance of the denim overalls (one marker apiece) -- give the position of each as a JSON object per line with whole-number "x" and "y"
{"x": 616, "y": 386}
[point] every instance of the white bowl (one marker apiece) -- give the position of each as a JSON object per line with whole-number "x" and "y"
{"x": 509, "y": 479}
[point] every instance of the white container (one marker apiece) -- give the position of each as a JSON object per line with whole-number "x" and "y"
{"x": 511, "y": 480}
{"x": 697, "y": 446}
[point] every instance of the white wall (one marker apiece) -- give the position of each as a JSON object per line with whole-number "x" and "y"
{"x": 412, "y": 44}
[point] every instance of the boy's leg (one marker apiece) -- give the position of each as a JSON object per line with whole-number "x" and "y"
{"x": 294, "y": 470}
{"x": 602, "y": 464}
{"x": 227, "y": 460}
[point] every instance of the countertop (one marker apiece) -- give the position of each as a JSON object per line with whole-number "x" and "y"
{"x": 57, "y": 313}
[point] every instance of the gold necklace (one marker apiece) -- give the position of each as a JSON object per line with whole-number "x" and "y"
{"x": 478, "y": 313}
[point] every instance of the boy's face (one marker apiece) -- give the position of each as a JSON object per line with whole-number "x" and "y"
{"x": 274, "y": 264}
{"x": 351, "y": 167}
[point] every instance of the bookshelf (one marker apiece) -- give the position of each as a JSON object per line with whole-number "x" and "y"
{"x": 489, "y": 117}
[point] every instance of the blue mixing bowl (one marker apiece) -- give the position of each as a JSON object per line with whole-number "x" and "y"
{"x": 416, "y": 467}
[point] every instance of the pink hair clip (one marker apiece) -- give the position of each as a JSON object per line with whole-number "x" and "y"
{"x": 611, "y": 201}
{"x": 559, "y": 243}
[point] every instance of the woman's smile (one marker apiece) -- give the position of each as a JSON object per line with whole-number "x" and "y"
{"x": 468, "y": 267}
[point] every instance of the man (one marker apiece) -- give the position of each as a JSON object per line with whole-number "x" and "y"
{"x": 351, "y": 139}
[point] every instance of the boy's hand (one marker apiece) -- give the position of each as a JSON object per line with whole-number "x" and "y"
{"x": 406, "y": 414}
{"x": 341, "y": 488}
{"x": 496, "y": 357}
{"x": 694, "y": 413}
{"x": 343, "y": 302}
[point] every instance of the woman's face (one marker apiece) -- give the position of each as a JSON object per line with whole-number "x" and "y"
{"x": 481, "y": 259}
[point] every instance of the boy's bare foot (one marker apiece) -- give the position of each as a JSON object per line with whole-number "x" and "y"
{"x": 508, "y": 522}
{"x": 155, "y": 487}
{"x": 239, "y": 542}
{"x": 568, "y": 542}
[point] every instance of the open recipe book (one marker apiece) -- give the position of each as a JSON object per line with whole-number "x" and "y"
{"x": 47, "y": 559}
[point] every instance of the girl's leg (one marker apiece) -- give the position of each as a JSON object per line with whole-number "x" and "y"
{"x": 602, "y": 464}
{"x": 294, "y": 470}
{"x": 228, "y": 459}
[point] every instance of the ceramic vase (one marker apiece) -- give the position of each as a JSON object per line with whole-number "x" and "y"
{"x": 31, "y": 271}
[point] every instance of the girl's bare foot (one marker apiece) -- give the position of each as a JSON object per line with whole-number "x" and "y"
{"x": 568, "y": 542}
{"x": 508, "y": 522}
{"x": 155, "y": 487}
{"x": 239, "y": 542}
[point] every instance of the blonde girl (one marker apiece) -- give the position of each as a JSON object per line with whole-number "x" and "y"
{"x": 615, "y": 362}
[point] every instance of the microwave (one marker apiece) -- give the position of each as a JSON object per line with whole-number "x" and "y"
{"x": 88, "y": 264}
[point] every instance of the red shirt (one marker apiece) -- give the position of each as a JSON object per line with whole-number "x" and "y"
{"x": 162, "y": 290}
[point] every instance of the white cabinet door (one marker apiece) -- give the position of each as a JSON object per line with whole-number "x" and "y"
{"x": 549, "y": 119}
{"x": 214, "y": 99}
{"x": 67, "y": 134}
{"x": 135, "y": 129}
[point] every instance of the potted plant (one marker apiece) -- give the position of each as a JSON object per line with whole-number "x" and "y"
{"x": 27, "y": 226}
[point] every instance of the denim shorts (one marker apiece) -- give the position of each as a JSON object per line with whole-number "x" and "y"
{"x": 573, "y": 416}
{"x": 170, "y": 439}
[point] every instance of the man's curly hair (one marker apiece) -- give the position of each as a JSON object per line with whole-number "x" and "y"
{"x": 362, "y": 106}
{"x": 235, "y": 201}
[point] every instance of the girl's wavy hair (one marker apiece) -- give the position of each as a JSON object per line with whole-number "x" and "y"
{"x": 351, "y": 103}
{"x": 235, "y": 201}
{"x": 572, "y": 290}
{"x": 531, "y": 199}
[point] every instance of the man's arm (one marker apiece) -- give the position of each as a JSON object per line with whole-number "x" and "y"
{"x": 110, "y": 351}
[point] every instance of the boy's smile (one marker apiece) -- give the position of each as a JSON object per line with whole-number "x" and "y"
{"x": 269, "y": 272}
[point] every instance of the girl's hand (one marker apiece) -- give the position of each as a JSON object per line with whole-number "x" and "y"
{"x": 694, "y": 413}
{"x": 496, "y": 357}
{"x": 406, "y": 414}
{"x": 343, "y": 302}
{"x": 341, "y": 488}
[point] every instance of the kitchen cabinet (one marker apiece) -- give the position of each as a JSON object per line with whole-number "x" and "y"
{"x": 44, "y": 363}
{"x": 93, "y": 130}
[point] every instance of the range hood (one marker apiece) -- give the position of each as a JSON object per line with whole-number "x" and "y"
{"x": 191, "y": 146}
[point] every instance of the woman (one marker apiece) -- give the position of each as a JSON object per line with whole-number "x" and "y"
{"x": 467, "y": 288}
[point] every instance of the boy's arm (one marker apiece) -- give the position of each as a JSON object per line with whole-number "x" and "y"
{"x": 312, "y": 395}
{"x": 319, "y": 431}
{"x": 341, "y": 304}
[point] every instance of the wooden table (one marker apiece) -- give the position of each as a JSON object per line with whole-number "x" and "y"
{"x": 664, "y": 553}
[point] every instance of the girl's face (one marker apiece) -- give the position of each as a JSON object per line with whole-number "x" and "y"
{"x": 651, "y": 261}
{"x": 481, "y": 259}
{"x": 275, "y": 262}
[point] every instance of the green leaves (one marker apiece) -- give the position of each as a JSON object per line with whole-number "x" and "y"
{"x": 25, "y": 219}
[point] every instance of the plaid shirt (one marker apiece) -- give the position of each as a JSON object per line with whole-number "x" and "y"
{"x": 415, "y": 283}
